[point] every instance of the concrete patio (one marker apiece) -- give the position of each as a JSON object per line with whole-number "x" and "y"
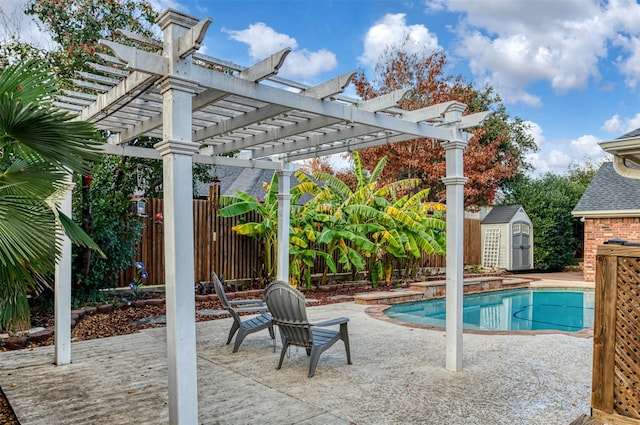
{"x": 398, "y": 376}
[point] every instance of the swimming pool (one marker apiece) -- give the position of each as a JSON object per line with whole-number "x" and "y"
{"x": 526, "y": 309}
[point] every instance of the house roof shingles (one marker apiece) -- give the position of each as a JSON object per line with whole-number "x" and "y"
{"x": 634, "y": 133}
{"x": 248, "y": 180}
{"x": 232, "y": 179}
{"x": 609, "y": 191}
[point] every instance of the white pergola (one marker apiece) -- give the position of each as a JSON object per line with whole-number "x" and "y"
{"x": 201, "y": 107}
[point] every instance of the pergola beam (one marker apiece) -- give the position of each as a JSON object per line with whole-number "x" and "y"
{"x": 127, "y": 88}
{"x": 473, "y": 120}
{"x": 428, "y": 113}
{"x": 386, "y": 101}
{"x": 191, "y": 40}
{"x": 101, "y": 79}
{"x": 73, "y": 100}
{"x": 342, "y": 112}
{"x": 321, "y": 91}
{"x": 349, "y": 145}
{"x": 140, "y": 39}
{"x": 138, "y": 60}
{"x": 373, "y": 105}
{"x": 255, "y": 73}
{"x": 91, "y": 86}
{"x": 265, "y": 68}
{"x": 119, "y": 72}
{"x": 330, "y": 87}
{"x": 277, "y": 133}
{"x": 149, "y": 153}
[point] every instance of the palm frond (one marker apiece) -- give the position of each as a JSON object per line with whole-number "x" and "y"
{"x": 76, "y": 234}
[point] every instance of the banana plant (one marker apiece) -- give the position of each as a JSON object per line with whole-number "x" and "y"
{"x": 301, "y": 232}
{"x": 266, "y": 230}
{"x": 350, "y": 218}
{"x": 396, "y": 227}
{"x": 419, "y": 228}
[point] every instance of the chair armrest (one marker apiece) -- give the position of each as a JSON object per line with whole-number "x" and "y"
{"x": 257, "y": 308}
{"x": 332, "y": 322}
{"x": 256, "y": 301}
{"x": 246, "y": 306}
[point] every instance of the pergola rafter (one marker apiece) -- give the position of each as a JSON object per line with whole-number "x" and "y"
{"x": 197, "y": 105}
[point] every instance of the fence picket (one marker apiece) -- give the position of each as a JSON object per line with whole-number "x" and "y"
{"x": 218, "y": 248}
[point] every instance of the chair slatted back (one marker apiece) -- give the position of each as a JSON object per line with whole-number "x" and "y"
{"x": 222, "y": 296}
{"x": 289, "y": 311}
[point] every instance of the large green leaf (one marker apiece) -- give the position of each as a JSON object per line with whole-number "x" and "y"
{"x": 335, "y": 184}
{"x": 237, "y": 208}
{"x": 370, "y": 213}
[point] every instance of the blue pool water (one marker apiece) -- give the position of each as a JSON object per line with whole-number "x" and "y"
{"x": 511, "y": 310}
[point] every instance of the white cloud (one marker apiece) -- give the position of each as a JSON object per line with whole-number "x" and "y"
{"x": 162, "y": 5}
{"x": 629, "y": 66}
{"x": 613, "y": 124}
{"x": 557, "y": 161}
{"x": 306, "y": 64}
{"x": 535, "y": 131}
{"x": 554, "y": 161}
{"x": 264, "y": 41}
{"x": 392, "y": 30}
{"x": 514, "y": 44}
{"x": 619, "y": 126}
{"x": 435, "y": 5}
{"x": 556, "y": 156}
{"x": 586, "y": 147}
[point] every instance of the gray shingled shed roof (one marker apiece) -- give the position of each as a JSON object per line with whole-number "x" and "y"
{"x": 501, "y": 214}
{"x": 610, "y": 194}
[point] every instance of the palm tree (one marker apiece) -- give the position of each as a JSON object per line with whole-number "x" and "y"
{"x": 39, "y": 147}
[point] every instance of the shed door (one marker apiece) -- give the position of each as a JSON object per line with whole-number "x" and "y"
{"x": 521, "y": 245}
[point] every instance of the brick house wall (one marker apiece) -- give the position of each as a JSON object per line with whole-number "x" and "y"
{"x": 599, "y": 230}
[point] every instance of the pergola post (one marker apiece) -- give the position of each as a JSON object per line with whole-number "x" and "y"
{"x": 454, "y": 182}
{"x": 177, "y": 151}
{"x": 62, "y": 288}
{"x": 284, "y": 213}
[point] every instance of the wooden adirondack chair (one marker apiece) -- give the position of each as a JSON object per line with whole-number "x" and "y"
{"x": 288, "y": 309}
{"x": 247, "y": 326}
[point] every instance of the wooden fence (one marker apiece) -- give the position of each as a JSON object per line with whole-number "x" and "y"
{"x": 615, "y": 394}
{"x": 218, "y": 248}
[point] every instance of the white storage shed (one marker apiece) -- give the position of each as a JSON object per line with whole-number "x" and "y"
{"x": 507, "y": 239}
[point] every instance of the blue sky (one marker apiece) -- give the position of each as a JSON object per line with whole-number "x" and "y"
{"x": 568, "y": 67}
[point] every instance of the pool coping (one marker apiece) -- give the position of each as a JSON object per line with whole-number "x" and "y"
{"x": 376, "y": 311}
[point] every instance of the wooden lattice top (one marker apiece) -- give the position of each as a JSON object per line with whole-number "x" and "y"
{"x": 615, "y": 393}
{"x": 627, "y": 342}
